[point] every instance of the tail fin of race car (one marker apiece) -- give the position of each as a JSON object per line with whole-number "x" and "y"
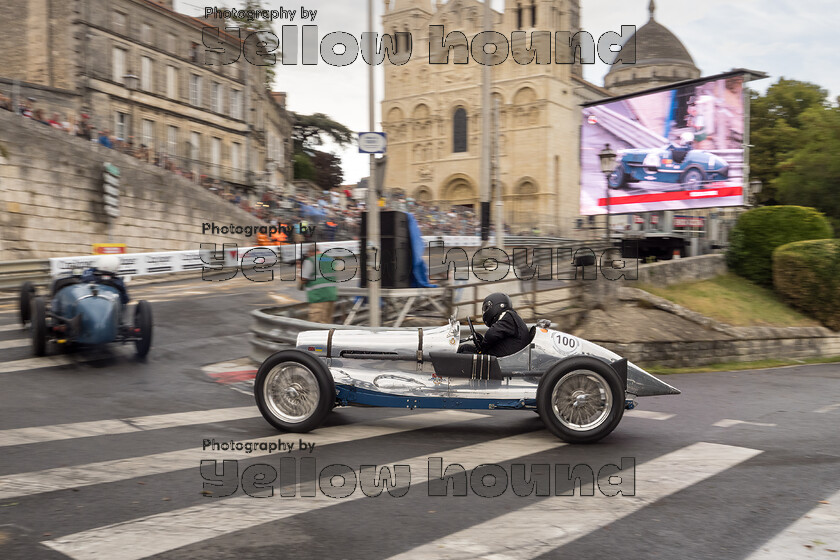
{"x": 643, "y": 384}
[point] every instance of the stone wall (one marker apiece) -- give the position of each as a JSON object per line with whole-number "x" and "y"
{"x": 722, "y": 342}
{"x": 681, "y": 353}
{"x": 51, "y": 198}
{"x": 675, "y": 271}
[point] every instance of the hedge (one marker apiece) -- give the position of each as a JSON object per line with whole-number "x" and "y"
{"x": 760, "y": 231}
{"x": 807, "y": 274}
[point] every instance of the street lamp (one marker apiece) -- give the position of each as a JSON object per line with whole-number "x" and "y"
{"x": 607, "y": 157}
{"x": 755, "y": 188}
{"x": 131, "y": 82}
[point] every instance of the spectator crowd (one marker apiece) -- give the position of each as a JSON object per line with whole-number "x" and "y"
{"x": 337, "y": 213}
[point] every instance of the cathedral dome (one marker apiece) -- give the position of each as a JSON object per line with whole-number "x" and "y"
{"x": 660, "y": 58}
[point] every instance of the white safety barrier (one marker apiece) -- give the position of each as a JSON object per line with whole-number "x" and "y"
{"x": 140, "y": 264}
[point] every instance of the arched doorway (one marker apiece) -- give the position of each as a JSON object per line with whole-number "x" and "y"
{"x": 523, "y": 201}
{"x": 423, "y": 194}
{"x": 460, "y": 191}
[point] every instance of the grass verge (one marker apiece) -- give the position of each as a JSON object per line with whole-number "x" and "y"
{"x": 734, "y": 366}
{"x": 734, "y": 300}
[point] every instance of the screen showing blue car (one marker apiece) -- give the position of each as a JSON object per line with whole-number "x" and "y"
{"x": 675, "y": 149}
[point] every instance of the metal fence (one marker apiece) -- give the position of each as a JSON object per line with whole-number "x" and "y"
{"x": 14, "y": 273}
{"x": 276, "y": 328}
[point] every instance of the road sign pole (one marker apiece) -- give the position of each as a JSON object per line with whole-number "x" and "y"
{"x": 484, "y": 187}
{"x": 372, "y": 196}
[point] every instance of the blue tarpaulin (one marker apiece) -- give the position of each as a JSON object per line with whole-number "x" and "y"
{"x": 419, "y": 271}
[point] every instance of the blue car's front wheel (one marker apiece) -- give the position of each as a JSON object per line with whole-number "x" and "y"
{"x": 693, "y": 179}
{"x": 27, "y": 292}
{"x": 38, "y": 317}
{"x": 618, "y": 178}
{"x": 143, "y": 328}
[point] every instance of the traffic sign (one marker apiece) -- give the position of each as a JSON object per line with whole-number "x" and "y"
{"x": 109, "y": 248}
{"x": 372, "y": 142}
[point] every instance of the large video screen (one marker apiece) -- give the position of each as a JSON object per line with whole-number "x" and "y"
{"x": 675, "y": 149}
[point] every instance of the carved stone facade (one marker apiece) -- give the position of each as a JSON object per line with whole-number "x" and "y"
{"x": 81, "y": 56}
{"x": 539, "y": 114}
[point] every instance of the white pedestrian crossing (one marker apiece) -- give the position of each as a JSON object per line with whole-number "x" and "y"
{"x": 814, "y": 535}
{"x": 42, "y": 434}
{"x": 156, "y": 534}
{"x": 561, "y": 519}
{"x": 648, "y": 414}
{"x": 28, "y": 364}
{"x": 728, "y": 423}
{"x": 12, "y": 327}
{"x": 16, "y": 343}
{"x": 564, "y": 519}
{"x": 63, "y": 478}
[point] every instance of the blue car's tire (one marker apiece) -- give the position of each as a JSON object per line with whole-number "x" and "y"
{"x": 693, "y": 178}
{"x": 581, "y": 399}
{"x": 38, "y": 318}
{"x": 294, "y": 391}
{"x": 27, "y": 291}
{"x": 618, "y": 178}
{"x": 143, "y": 322}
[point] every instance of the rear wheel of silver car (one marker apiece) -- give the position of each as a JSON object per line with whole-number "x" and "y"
{"x": 581, "y": 400}
{"x": 693, "y": 179}
{"x": 294, "y": 391}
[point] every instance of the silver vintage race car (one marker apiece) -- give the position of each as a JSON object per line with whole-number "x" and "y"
{"x": 579, "y": 389}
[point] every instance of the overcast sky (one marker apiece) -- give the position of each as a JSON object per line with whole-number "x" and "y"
{"x": 794, "y": 39}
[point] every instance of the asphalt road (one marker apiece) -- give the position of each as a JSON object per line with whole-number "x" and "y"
{"x": 100, "y": 457}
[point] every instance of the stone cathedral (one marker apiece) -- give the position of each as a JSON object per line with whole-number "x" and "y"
{"x": 432, "y": 112}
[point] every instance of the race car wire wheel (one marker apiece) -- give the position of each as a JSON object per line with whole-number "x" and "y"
{"x": 292, "y": 392}
{"x": 581, "y": 400}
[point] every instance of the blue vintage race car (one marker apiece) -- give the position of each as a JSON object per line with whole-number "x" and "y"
{"x": 84, "y": 312}
{"x": 672, "y": 164}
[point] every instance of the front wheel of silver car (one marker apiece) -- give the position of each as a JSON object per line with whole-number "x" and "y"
{"x": 581, "y": 400}
{"x": 294, "y": 391}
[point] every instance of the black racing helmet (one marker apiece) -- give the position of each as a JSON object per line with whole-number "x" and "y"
{"x": 493, "y": 307}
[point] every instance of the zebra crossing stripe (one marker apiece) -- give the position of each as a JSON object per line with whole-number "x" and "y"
{"x": 63, "y": 478}
{"x": 12, "y": 327}
{"x": 42, "y": 434}
{"x": 728, "y": 423}
{"x": 155, "y": 534}
{"x": 16, "y": 343}
{"x": 648, "y": 414}
{"x": 814, "y": 535}
{"x": 562, "y": 520}
{"x": 35, "y": 363}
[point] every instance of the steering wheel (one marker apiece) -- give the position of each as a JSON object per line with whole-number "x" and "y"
{"x": 474, "y": 336}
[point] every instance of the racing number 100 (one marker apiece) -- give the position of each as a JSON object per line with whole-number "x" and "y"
{"x": 567, "y": 341}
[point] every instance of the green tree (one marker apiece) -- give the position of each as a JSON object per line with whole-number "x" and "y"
{"x": 309, "y": 131}
{"x": 313, "y": 130}
{"x": 759, "y": 231}
{"x": 775, "y": 124}
{"x": 250, "y": 25}
{"x": 810, "y": 175}
{"x": 304, "y": 168}
{"x": 328, "y": 172}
